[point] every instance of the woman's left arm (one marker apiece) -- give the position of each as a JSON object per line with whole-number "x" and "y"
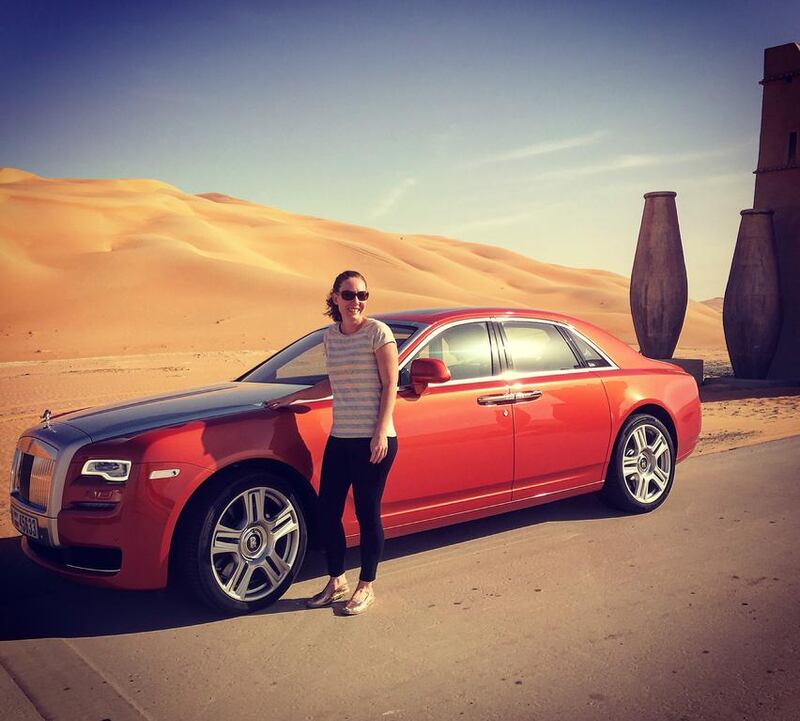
{"x": 386, "y": 356}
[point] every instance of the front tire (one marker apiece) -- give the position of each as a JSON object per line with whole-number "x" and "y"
{"x": 242, "y": 548}
{"x": 642, "y": 466}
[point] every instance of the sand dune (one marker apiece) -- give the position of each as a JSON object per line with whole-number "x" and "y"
{"x": 107, "y": 267}
{"x": 714, "y": 303}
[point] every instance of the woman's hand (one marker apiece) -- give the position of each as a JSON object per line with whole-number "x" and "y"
{"x": 379, "y": 447}
{"x": 277, "y": 403}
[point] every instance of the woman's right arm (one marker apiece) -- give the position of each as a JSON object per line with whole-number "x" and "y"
{"x": 317, "y": 391}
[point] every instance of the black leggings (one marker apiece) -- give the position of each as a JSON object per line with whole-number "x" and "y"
{"x": 346, "y": 461}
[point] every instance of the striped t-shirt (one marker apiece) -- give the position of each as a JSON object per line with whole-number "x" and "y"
{"x": 355, "y": 380}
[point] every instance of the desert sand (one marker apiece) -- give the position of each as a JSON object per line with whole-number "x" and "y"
{"x": 116, "y": 267}
{"x": 113, "y": 289}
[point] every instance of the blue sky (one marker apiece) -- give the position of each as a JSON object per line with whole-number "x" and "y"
{"x": 533, "y": 126}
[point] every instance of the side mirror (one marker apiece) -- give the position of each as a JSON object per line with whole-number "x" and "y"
{"x": 427, "y": 370}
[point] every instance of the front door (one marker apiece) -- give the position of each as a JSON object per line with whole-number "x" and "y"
{"x": 455, "y": 446}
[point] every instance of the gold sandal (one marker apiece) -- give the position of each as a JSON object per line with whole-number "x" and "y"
{"x": 326, "y": 598}
{"x": 353, "y": 609}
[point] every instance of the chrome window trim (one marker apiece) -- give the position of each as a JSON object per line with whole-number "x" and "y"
{"x": 611, "y": 365}
{"x": 509, "y": 374}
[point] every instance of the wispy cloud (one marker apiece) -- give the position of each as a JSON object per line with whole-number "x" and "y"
{"x": 390, "y": 199}
{"x": 743, "y": 177}
{"x": 502, "y": 221}
{"x": 499, "y": 221}
{"x": 628, "y": 162}
{"x": 530, "y": 151}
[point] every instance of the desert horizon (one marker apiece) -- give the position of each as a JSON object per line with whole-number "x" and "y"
{"x": 98, "y": 267}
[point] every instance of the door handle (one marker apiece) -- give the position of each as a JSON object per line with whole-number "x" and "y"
{"x": 503, "y": 399}
{"x": 523, "y": 396}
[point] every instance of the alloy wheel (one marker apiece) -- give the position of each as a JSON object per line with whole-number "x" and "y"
{"x": 254, "y": 543}
{"x": 646, "y": 463}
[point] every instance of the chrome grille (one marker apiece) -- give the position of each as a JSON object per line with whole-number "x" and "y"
{"x": 32, "y": 471}
{"x": 41, "y": 478}
{"x": 15, "y": 470}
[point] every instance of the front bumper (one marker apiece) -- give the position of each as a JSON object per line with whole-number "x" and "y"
{"x": 122, "y": 545}
{"x": 46, "y": 527}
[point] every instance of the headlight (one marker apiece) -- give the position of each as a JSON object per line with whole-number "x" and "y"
{"x": 110, "y": 470}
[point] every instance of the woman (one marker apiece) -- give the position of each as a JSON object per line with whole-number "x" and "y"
{"x": 361, "y": 359}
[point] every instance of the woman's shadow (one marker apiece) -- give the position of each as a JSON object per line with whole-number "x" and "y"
{"x": 35, "y": 603}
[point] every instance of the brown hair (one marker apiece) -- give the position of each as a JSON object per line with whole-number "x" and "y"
{"x": 332, "y": 309}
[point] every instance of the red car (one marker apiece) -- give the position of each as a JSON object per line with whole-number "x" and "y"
{"x": 497, "y": 409}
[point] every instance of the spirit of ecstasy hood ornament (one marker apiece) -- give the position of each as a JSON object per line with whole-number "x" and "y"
{"x": 46, "y": 418}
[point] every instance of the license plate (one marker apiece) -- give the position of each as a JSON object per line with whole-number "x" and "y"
{"x": 24, "y": 523}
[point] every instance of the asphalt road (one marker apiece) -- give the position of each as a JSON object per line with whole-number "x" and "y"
{"x": 565, "y": 611}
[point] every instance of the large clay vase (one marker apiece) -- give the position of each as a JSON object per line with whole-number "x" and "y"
{"x": 751, "y": 311}
{"x": 659, "y": 289}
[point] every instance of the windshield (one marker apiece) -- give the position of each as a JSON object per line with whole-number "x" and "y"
{"x": 303, "y": 362}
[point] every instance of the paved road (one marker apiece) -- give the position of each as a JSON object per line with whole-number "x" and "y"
{"x": 564, "y": 611}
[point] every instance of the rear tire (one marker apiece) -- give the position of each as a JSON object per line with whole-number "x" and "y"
{"x": 642, "y": 466}
{"x": 242, "y": 547}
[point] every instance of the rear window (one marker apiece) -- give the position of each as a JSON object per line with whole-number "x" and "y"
{"x": 538, "y": 348}
{"x": 592, "y": 358}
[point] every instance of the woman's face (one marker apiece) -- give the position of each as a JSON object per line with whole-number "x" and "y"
{"x": 352, "y": 309}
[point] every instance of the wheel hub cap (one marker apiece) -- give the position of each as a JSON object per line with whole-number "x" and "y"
{"x": 253, "y": 541}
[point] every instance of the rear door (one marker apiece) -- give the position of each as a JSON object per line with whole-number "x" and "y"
{"x": 561, "y": 416}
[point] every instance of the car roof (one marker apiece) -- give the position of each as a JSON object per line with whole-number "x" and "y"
{"x": 436, "y": 315}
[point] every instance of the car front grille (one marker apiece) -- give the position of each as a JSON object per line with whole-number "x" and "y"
{"x": 32, "y": 471}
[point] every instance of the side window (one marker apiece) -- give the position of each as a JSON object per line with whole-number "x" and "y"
{"x": 590, "y": 355}
{"x": 465, "y": 350}
{"x": 303, "y": 362}
{"x": 538, "y": 347}
{"x": 303, "y": 368}
{"x": 402, "y": 333}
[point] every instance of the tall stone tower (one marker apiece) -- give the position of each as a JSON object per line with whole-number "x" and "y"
{"x": 778, "y": 189}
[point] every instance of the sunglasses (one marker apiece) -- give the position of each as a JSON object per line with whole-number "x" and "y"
{"x": 350, "y": 294}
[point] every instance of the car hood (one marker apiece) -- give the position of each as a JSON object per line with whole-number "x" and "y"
{"x": 170, "y": 409}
